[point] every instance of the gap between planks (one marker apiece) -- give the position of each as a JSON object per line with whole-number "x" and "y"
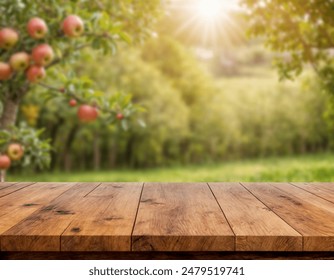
{"x": 256, "y": 226}
{"x": 275, "y": 213}
{"x": 228, "y": 222}
{"x": 134, "y": 223}
{"x": 181, "y": 217}
{"x": 17, "y": 186}
{"x": 307, "y": 213}
{"x": 303, "y": 186}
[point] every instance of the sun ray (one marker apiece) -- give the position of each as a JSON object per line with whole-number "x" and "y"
{"x": 188, "y": 23}
{"x": 208, "y": 10}
{"x": 209, "y": 22}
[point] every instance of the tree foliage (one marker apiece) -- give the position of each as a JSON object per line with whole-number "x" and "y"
{"x": 301, "y": 31}
{"x": 108, "y": 25}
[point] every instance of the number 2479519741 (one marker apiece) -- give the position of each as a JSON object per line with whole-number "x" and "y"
{"x": 227, "y": 270}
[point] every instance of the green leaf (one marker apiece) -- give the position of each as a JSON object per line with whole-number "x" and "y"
{"x": 125, "y": 37}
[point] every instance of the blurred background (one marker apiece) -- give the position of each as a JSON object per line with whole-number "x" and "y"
{"x": 215, "y": 109}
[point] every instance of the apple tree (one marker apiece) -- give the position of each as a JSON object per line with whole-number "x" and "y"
{"x": 300, "y": 32}
{"x": 39, "y": 41}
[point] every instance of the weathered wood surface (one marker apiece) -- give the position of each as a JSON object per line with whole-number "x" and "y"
{"x": 256, "y": 227}
{"x": 8, "y": 188}
{"x": 107, "y": 222}
{"x": 310, "y": 215}
{"x": 323, "y": 190}
{"x": 180, "y": 217}
{"x": 20, "y": 204}
{"x": 167, "y": 217}
{"x": 41, "y": 230}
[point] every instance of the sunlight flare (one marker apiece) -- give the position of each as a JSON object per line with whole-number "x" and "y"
{"x": 208, "y": 9}
{"x": 212, "y": 10}
{"x": 211, "y": 23}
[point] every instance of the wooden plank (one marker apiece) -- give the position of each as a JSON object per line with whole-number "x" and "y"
{"x": 323, "y": 190}
{"x": 13, "y": 188}
{"x": 19, "y": 205}
{"x": 180, "y": 217}
{"x": 310, "y": 215}
{"x": 41, "y": 231}
{"x": 4, "y": 185}
{"x": 112, "y": 209}
{"x": 256, "y": 227}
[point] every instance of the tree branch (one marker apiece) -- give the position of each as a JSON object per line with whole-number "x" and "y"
{"x": 81, "y": 100}
{"x": 61, "y": 90}
{"x": 67, "y": 53}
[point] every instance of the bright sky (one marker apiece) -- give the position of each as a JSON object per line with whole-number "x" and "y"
{"x": 210, "y": 10}
{"x": 209, "y": 5}
{"x": 208, "y": 19}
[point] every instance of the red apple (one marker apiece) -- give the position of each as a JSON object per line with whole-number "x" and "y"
{"x": 42, "y": 55}
{"x": 87, "y": 113}
{"x": 15, "y": 151}
{"x": 119, "y": 116}
{"x": 35, "y": 73}
{"x": 37, "y": 28}
{"x": 19, "y": 61}
{"x": 73, "y": 103}
{"x": 73, "y": 26}
{"x": 4, "y": 162}
{"x": 8, "y": 38}
{"x": 5, "y": 71}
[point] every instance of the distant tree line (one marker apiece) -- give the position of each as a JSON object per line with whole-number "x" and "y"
{"x": 189, "y": 116}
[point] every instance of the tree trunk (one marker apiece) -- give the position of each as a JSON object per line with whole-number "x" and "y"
{"x": 112, "y": 153}
{"x": 53, "y": 136}
{"x": 9, "y": 114}
{"x": 67, "y": 148}
{"x": 8, "y": 119}
{"x": 2, "y": 176}
{"x": 11, "y": 104}
{"x": 96, "y": 151}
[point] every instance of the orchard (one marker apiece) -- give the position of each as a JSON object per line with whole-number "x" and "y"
{"x": 38, "y": 43}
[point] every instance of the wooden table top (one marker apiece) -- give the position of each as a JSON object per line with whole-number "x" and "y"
{"x": 141, "y": 217}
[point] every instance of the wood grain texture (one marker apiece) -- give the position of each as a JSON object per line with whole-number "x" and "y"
{"x": 108, "y": 219}
{"x": 6, "y": 190}
{"x": 20, "y": 204}
{"x": 256, "y": 227}
{"x": 41, "y": 230}
{"x": 165, "y": 217}
{"x": 180, "y": 217}
{"x": 6, "y": 184}
{"x": 310, "y": 215}
{"x": 323, "y": 190}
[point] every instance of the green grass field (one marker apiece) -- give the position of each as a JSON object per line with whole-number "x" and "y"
{"x": 297, "y": 169}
